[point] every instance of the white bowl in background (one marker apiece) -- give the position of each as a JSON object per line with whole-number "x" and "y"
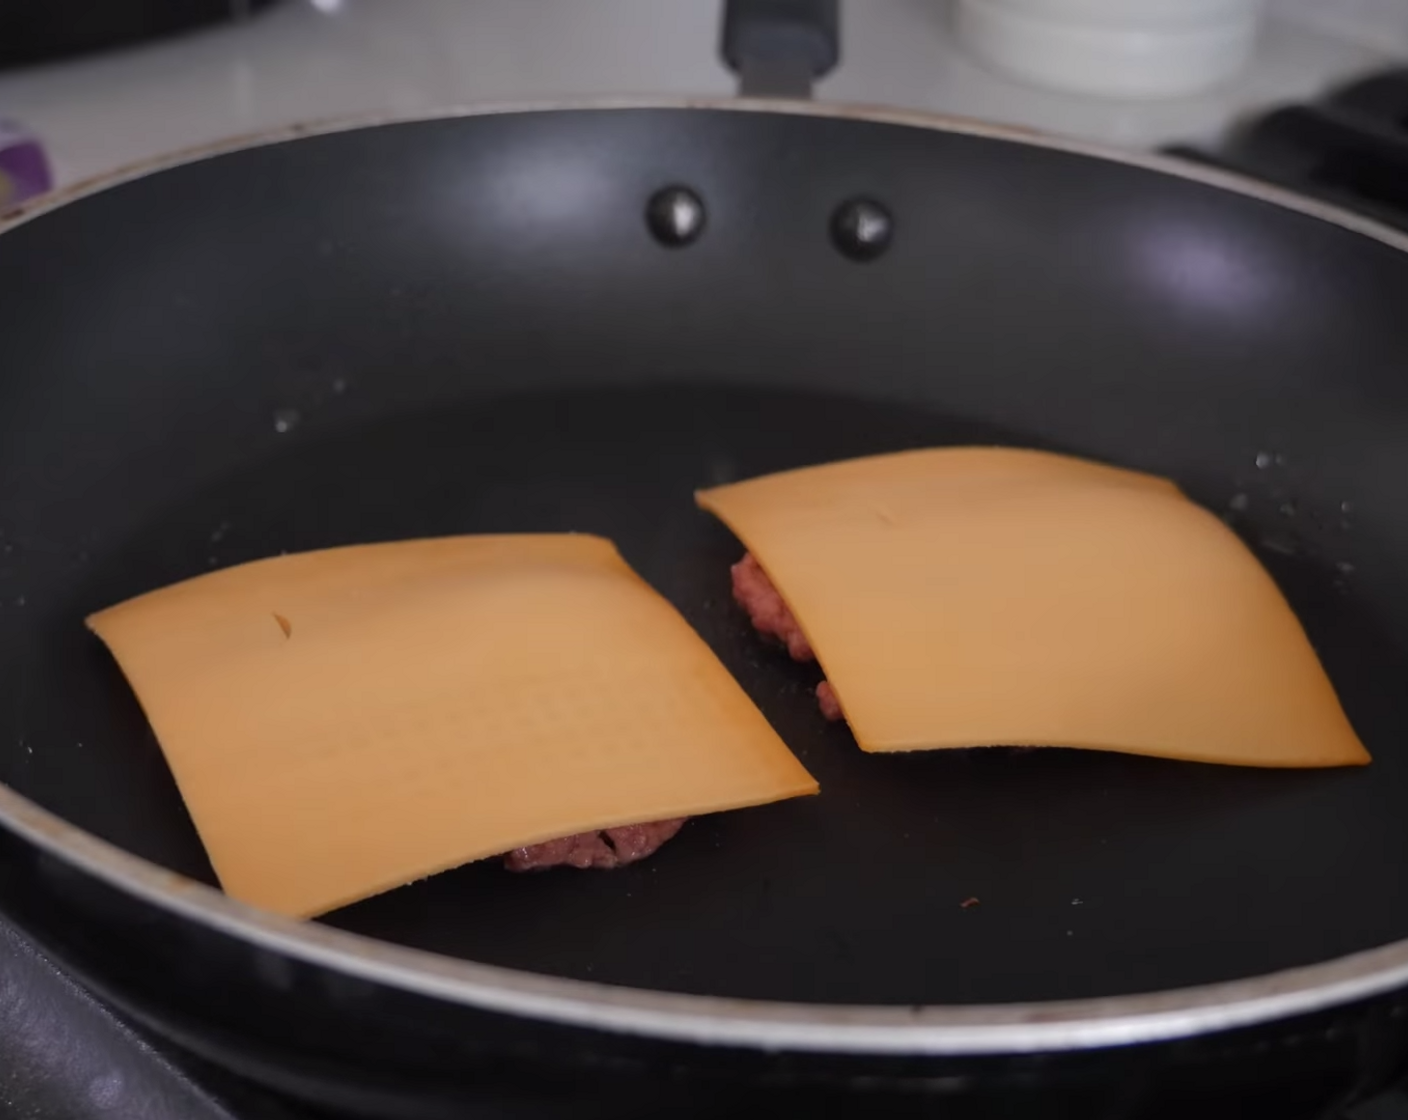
{"x": 1118, "y": 48}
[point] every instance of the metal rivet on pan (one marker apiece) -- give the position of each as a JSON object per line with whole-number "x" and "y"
{"x": 675, "y": 216}
{"x": 862, "y": 229}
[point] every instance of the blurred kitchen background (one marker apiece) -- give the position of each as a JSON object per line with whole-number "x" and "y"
{"x": 98, "y": 84}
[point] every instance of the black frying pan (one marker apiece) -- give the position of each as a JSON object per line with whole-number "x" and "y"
{"x": 469, "y": 324}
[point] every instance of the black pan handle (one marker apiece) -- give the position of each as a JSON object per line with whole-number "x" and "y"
{"x": 778, "y": 48}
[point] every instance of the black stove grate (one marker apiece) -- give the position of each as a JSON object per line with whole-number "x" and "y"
{"x": 66, "y": 1056}
{"x": 1350, "y": 149}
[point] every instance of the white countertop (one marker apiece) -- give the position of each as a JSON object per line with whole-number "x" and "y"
{"x": 316, "y": 59}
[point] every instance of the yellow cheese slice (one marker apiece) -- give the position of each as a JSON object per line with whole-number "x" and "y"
{"x": 344, "y": 722}
{"x": 963, "y": 597}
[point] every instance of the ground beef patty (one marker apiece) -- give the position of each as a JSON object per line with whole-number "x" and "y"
{"x": 605, "y": 848}
{"x": 755, "y": 593}
{"x": 616, "y": 847}
{"x": 828, "y": 703}
{"x": 770, "y": 615}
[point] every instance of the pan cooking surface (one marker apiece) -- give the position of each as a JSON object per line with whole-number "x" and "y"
{"x": 1094, "y": 874}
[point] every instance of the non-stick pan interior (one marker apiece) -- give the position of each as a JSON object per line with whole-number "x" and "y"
{"x": 296, "y": 347}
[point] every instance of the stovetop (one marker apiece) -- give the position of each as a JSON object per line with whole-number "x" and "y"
{"x": 64, "y": 1054}
{"x": 1350, "y": 148}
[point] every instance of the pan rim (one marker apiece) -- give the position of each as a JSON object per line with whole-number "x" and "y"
{"x": 711, "y": 1020}
{"x": 872, "y": 114}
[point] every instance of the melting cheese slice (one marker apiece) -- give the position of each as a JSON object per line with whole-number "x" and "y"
{"x": 985, "y": 596}
{"x": 344, "y": 722}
